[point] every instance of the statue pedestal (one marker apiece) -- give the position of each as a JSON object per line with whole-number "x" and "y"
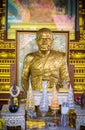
{"x": 62, "y": 96}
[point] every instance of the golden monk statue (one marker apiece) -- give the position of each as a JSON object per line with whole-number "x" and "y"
{"x": 45, "y": 64}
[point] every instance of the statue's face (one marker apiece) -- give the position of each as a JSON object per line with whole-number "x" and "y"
{"x": 44, "y": 41}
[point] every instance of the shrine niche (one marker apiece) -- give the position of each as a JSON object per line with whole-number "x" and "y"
{"x": 75, "y": 57}
{"x": 25, "y": 43}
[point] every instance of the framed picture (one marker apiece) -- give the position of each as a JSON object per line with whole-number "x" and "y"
{"x": 25, "y": 43}
{"x": 60, "y": 15}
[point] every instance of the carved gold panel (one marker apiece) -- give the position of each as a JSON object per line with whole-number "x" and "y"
{"x": 4, "y": 77}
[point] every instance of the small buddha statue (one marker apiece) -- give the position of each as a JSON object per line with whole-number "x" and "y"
{"x": 14, "y": 98}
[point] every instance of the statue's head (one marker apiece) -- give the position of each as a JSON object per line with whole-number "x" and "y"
{"x": 44, "y": 32}
{"x": 44, "y": 39}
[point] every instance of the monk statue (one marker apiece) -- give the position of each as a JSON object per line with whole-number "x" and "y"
{"x": 44, "y": 65}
